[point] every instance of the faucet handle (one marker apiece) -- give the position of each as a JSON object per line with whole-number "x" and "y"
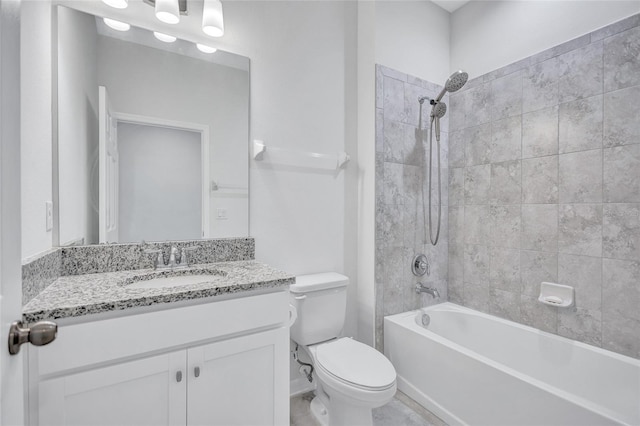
{"x": 184, "y": 260}
{"x": 159, "y": 258}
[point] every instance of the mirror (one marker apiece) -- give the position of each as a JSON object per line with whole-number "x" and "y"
{"x": 152, "y": 138}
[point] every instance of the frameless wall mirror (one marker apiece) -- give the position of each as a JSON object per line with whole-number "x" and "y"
{"x": 152, "y": 137}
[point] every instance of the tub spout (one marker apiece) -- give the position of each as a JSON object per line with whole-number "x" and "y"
{"x": 429, "y": 290}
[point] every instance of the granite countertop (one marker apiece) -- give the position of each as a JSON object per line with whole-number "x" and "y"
{"x": 78, "y": 295}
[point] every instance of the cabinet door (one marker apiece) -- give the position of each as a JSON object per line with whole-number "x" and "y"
{"x": 240, "y": 381}
{"x": 142, "y": 392}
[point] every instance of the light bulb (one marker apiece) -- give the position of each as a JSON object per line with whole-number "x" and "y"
{"x": 168, "y": 11}
{"x": 212, "y": 18}
{"x": 118, "y": 4}
{"x": 116, "y": 25}
{"x": 164, "y": 37}
{"x": 205, "y": 49}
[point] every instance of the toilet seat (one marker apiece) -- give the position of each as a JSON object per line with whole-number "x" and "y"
{"x": 355, "y": 364}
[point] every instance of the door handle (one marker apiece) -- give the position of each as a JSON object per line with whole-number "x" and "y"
{"x": 196, "y": 371}
{"x": 40, "y": 334}
{"x": 179, "y": 376}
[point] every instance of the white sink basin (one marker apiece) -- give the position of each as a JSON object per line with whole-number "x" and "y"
{"x": 175, "y": 281}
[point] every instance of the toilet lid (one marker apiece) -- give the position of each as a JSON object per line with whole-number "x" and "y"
{"x": 355, "y": 362}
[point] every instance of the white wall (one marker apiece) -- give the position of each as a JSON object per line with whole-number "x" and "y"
{"x": 77, "y": 125}
{"x": 486, "y": 35}
{"x": 35, "y": 126}
{"x": 413, "y": 37}
{"x": 160, "y": 172}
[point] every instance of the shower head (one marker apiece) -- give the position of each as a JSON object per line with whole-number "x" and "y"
{"x": 439, "y": 110}
{"x": 454, "y": 83}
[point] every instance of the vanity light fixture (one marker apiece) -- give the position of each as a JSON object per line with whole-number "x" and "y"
{"x": 118, "y": 4}
{"x": 116, "y": 25}
{"x": 168, "y": 11}
{"x": 205, "y": 49}
{"x": 212, "y": 19}
{"x": 164, "y": 37}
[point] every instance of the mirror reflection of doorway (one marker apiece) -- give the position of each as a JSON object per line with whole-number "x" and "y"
{"x": 160, "y": 183}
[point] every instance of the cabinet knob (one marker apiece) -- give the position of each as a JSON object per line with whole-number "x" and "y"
{"x": 196, "y": 371}
{"x": 179, "y": 376}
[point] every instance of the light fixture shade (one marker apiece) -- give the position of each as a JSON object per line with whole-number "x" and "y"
{"x": 168, "y": 11}
{"x": 205, "y": 49}
{"x": 164, "y": 37}
{"x": 212, "y": 19}
{"x": 118, "y": 4}
{"x": 116, "y": 25}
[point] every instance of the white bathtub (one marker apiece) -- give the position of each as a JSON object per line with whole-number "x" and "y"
{"x": 471, "y": 368}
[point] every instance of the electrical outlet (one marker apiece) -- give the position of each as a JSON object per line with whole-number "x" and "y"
{"x": 49, "y": 215}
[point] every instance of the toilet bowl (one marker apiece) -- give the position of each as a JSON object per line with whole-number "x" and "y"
{"x": 351, "y": 378}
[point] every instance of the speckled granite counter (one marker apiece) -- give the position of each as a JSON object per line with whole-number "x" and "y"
{"x": 78, "y": 295}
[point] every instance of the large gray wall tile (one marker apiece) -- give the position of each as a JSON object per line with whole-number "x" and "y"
{"x": 393, "y": 99}
{"x": 457, "y": 141}
{"x": 506, "y": 183}
{"x": 505, "y": 226}
{"x": 505, "y": 269}
{"x": 477, "y": 184}
{"x": 540, "y": 227}
{"x": 540, "y": 133}
{"x": 540, "y": 86}
{"x": 504, "y": 304}
{"x": 535, "y": 268}
{"x": 456, "y": 186}
{"x": 621, "y": 112}
{"x": 584, "y": 274}
{"x": 581, "y": 72}
{"x": 476, "y": 296}
{"x": 538, "y": 315}
{"x": 582, "y": 325}
{"x": 580, "y": 126}
{"x": 479, "y": 107}
{"x": 621, "y": 181}
{"x": 580, "y": 229}
{"x": 477, "y": 224}
{"x": 506, "y": 139}
{"x": 506, "y": 95}
{"x": 580, "y": 177}
{"x": 540, "y": 180}
{"x": 621, "y": 231}
{"x": 477, "y": 144}
{"x": 621, "y": 64}
{"x": 476, "y": 264}
{"x": 393, "y": 185}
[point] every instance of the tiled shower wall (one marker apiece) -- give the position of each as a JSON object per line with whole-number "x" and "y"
{"x": 544, "y": 185}
{"x": 399, "y": 215}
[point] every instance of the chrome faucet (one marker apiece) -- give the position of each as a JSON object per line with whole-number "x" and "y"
{"x": 429, "y": 290}
{"x": 173, "y": 261}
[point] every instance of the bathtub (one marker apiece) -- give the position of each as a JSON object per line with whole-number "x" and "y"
{"x": 472, "y": 368}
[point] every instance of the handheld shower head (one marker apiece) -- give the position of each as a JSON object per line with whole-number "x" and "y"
{"x": 439, "y": 110}
{"x": 454, "y": 83}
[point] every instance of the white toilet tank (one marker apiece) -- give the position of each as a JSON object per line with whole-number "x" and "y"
{"x": 321, "y": 302}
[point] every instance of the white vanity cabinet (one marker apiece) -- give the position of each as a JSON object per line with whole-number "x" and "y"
{"x": 220, "y": 363}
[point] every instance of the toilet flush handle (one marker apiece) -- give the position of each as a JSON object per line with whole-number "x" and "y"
{"x": 303, "y": 296}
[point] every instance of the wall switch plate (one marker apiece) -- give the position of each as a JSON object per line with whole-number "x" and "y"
{"x": 221, "y": 214}
{"x": 49, "y": 215}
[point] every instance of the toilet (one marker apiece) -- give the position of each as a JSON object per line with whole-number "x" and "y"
{"x": 351, "y": 378}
